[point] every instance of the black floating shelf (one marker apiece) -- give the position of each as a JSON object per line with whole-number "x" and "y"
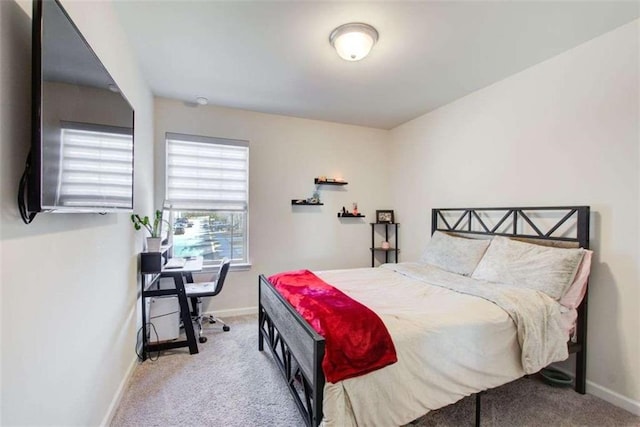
{"x": 317, "y": 181}
{"x": 343, "y": 215}
{"x": 297, "y": 202}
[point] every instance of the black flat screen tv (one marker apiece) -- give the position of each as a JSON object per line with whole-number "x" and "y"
{"x": 81, "y": 157}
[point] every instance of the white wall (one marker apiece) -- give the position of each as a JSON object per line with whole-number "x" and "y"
{"x": 285, "y": 155}
{"x": 68, "y": 280}
{"x": 563, "y": 132}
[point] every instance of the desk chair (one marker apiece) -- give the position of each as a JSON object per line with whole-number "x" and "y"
{"x": 197, "y": 291}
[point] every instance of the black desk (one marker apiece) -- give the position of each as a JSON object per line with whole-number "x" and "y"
{"x": 150, "y": 288}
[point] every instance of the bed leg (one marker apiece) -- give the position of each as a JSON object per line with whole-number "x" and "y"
{"x": 581, "y": 372}
{"x": 261, "y": 315}
{"x": 260, "y": 336}
{"x": 581, "y": 356}
{"x": 478, "y": 408}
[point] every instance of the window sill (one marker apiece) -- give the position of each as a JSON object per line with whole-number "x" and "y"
{"x": 232, "y": 267}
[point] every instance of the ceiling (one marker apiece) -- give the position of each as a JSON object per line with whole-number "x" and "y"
{"x": 275, "y": 57}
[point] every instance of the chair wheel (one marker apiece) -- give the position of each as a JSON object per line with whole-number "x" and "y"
{"x": 226, "y": 328}
{"x": 202, "y": 339}
{"x": 212, "y": 321}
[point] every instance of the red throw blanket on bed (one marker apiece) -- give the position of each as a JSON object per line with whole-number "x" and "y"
{"x": 356, "y": 340}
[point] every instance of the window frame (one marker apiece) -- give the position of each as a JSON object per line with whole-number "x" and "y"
{"x": 235, "y": 265}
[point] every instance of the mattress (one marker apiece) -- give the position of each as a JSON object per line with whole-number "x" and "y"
{"x": 449, "y": 345}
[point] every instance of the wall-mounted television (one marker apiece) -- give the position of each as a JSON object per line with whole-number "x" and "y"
{"x": 81, "y": 157}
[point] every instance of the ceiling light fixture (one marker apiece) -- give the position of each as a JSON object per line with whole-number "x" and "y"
{"x": 353, "y": 41}
{"x": 201, "y": 100}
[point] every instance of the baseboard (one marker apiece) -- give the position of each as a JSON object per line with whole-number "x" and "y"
{"x": 607, "y": 395}
{"x": 614, "y": 398}
{"x": 111, "y": 411}
{"x": 233, "y": 312}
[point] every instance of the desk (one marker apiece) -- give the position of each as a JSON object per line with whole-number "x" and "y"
{"x": 193, "y": 265}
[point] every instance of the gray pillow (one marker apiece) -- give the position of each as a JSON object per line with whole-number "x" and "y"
{"x": 543, "y": 268}
{"x": 454, "y": 254}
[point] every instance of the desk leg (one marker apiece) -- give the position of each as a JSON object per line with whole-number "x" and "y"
{"x": 194, "y": 301}
{"x": 194, "y": 307}
{"x": 185, "y": 314}
{"x": 144, "y": 321}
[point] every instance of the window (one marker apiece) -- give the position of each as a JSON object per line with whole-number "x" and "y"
{"x": 207, "y": 186}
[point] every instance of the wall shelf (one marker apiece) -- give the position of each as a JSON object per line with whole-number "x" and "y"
{"x": 349, "y": 215}
{"x": 301, "y": 202}
{"x": 316, "y": 195}
{"x": 319, "y": 182}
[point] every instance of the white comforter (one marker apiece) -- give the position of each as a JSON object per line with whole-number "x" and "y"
{"x": 449, "y": 343}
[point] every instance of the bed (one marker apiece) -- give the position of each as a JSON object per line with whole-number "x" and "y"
{"x": 449, "y": 343}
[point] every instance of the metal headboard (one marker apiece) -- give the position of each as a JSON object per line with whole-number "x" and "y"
{"x": 563, "y": 224}
{"x": 514, "y": 220}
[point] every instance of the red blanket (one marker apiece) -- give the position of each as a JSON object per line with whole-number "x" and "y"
{"x": 356, "y": 340}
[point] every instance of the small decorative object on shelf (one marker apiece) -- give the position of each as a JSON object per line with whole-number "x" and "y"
{"x": 355, "y": 208}
{"x": 385, "y": 245}
{"x": 346, "y": 214}
{"x": 315, "y": 199}
{"x": 384, "y": 217}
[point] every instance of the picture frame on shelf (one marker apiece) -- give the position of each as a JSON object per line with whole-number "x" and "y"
{"x": 384, "y": 217}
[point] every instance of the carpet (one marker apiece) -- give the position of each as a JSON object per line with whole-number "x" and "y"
{"x": 231, "y": 383}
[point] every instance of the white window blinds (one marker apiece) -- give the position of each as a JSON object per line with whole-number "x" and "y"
{"x": 96, "y": 166}
{"x": 204, "y": 173}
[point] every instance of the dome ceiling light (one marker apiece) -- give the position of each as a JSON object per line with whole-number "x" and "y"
{"x": 353, "y": 41}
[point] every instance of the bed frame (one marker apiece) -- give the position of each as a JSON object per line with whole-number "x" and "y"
{"x": 298, "y": 350}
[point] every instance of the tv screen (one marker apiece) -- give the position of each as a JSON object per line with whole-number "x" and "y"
{"x": 81, "y": 156}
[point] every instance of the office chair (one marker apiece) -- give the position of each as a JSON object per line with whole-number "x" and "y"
{"x": 197, "y": 291}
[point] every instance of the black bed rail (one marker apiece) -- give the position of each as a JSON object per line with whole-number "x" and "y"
{"x": 296, "y": 347}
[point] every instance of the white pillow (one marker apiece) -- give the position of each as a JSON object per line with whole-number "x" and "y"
{"x": 578, "y": 288}
{"x": 543, "y": 268}
{"x": 454, "y": 254}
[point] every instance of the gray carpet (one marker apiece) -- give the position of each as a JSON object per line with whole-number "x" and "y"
{"x": 230, "y": 383}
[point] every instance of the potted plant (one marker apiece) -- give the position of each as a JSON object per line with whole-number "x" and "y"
{"x": 154, "y": 241}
